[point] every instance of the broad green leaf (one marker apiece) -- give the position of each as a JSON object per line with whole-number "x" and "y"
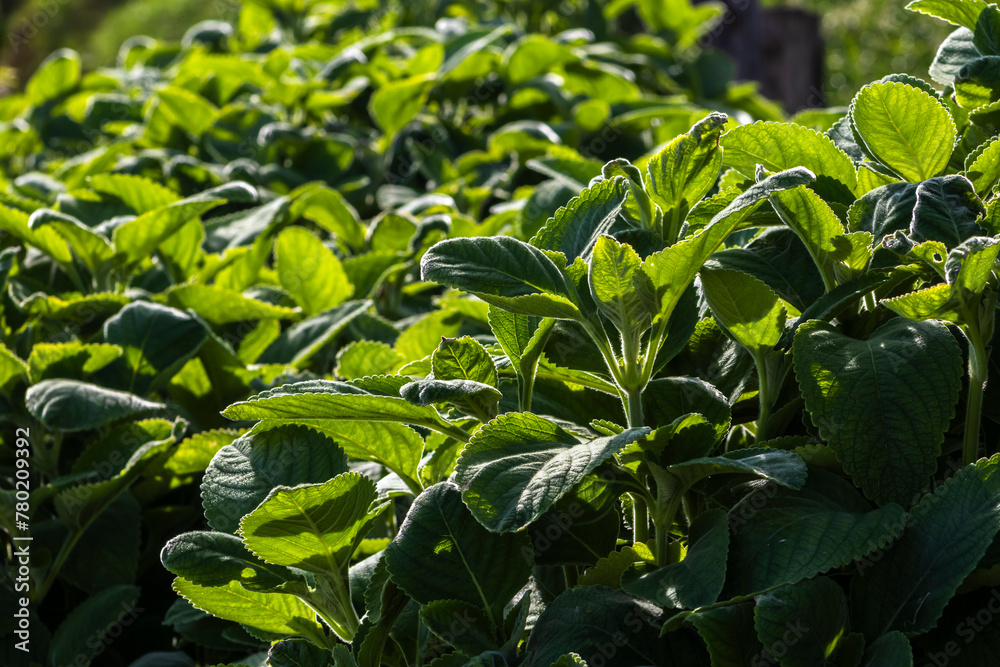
{"x": 833, "y": 302}
{"x": 69, "y": 405}
{"x": 667, "y": 399}
{"x": 814, "y": 222}
{"x": 74, "y": 307}
{"x": 68, "y": 360}
{"x": 276, "y": 613}
{"x": 186, "y": 109}
{"x": 86, "y": 628}
{"x": 321, "y": 401}
{"x": 892, "y": 648}
{"x": 137, "y": 239}
{"x": 44, "y": 238}
{"x": 946, "y": 210}
{"x": 673, "y": 269}
{"x": 328, "y": 209}
{"x": 982, "y": 168}
{"x": 937, "y": 302}
{"x": 242, "y": 474}
{"x": 745, "y": 307}
{"x": 963, "y": 13}
{"x": 471, "y": 635}
{"x": 217, "y": 305}
{"x": 978, "y": 82}
{"x": 157, "y": 341}
{"x": 683, "y": 171}
{"x": 395, "y": 104}
{"x": 57, "y": 75}
{"x": 498, "y": 266}
{"x": 532, "y": 55}
{"x": 517, "y": 466}
{"x": 884, "y": 210}
{"x": 193, "y": 455}
{"x": 474, "y": 398}
{"x": 955, "y": 52}
{"x": 697, "y": 580}
{"x": 584, "y": 619}
{"x": 421, "y": 338}
{"x": 463, "y": 359}
{"x": 729, "y": 634}
{"x": 442, "y": 553}
{"x": 304, "y": 653}
{"x": 987, "y": 33}
{"x": 92, "y": 248}
{"x": 12, "y": 369}
{"x": 299, "y": 343}
{"x": 108, "y": 454}
{"x": 797, "y": 535}
{"x": 781, "y": 146}
{"x": 140, "y": 194}
{"x": 778, "y": 466}
{"x": 883, "y": 404}
{"x": 314, "y": 527}
{"x": 608, "y": 570}
{"x": 906, "y": 129}
{"x": 209, "y": 558}
{"x": 310, "y": 272}
{"x": 970, "y": 266}
{"x": 907, "y": 589}
{"x": 576, "y": 227}
{"x": 367, "y": 357}
{"x": 815, "y": 613}
{"x": 622, "y": 291}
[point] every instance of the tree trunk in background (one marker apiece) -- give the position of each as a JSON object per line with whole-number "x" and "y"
{"x": 781, "y": 48}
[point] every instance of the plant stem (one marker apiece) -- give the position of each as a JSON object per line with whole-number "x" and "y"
{"x": 633, "y": 400}
{"x": 978, "y": 372}
{"x": 571, "y": 575}
{"x": 640, "y": 519}
{"x": 763, "y": 398}
{"x": 663, "y": 524}
{"x": 53, "y": 572}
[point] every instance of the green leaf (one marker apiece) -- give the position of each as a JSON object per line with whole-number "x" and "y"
{"x": 367, "y": 357}
{"x": 193, "y": 455}
{"x": 982, "y": 168}
{"x": 585, "y": 619}
{"x": 137, "y": 239}
{"x": 217, "y": 305}
{"x": 622, "y": 291}
{"x": 517, "y": 466}
{"x": 907, "y": 589}
{"x": 463, "y": 359}
{"x": 92, "y": 248}
{"x": 978, "y": 82}
{"x": 421, "y": 338}
{"x": 68, "y": 360}
{"x": 473, "y": 398}
{"x": 781, "y": 146}
{"x": 69, "y": 405}
{"x": 500, "y": 266}
{"x": 57, "y": 75}
{"x": 460, "y": 624}
{"x": 745, "y": 307}
{"x": 795, "y": 536}
{"x": 784, "y": 468}
{"x": 314, "y": 527}
{"x": 697, "y": 580}
{"x": 906, "y": 129}
{"x": 963, "y": 13}
{"x": 947, "y": 210}
{"x": 276, "y": 613}
{"x": 310, "y": 272}
{"x": 892, "y": 648}
{"x": 683, "y": 171}
{"x": 814, "y": 222}
{"x": 673, "y": 269}
{"x": 987, "y": 31}
{"x": 955, "y": 52}
{"x": 12, "y": 369}
{"x": 395, "y": 104}
{"x": 730, "y": 636}
{"x": 322, "y": 401}
{"x": 157, "y": 341}
{"x": 667, "y": 399}
{"x": 77, "y": 638}
{"x": 73, "y": 307}
{"x": 883, "y": 404}
{"x": 576, "y": 226}
{"x": 44, "y": 238}
{"x": 209, "y": 558}
{"x": 242, "y": 474}
{"x": 299, "y": 343}
{"x": 807, "y": 619}
{"x": 304, "y": 653}
{"x": 442, "y": 553}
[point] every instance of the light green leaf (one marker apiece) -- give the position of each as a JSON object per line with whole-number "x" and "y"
{"x": 442, "y": 553}
{"x": 621, "y": 290}
{"x": 907, "y": 589}
{"x": 315, "y": 527}
{"x": 217, "y": 305}
{"x": 299, "y": 343}
{"x": 187, "y": 110}
{"x": 683, "y": 171}
{"x": 982, "y": 168}
{"x": 68, "y": 360}
{"x": 92, "y": 248}
{"x": 12, "y": 369}
{"x": 781, "y": 146}
{"x": 57, "y": 75}
{"x": 137, "y": 239}
{"x": 367, "y": 357}
{"x": 745, "y": 307}
{"x": 906, "y": 129}
{"x": 463, "y": 359}
{"x": 210, "y": 558}
{"x": 310, "y": 272}
{"x": 978, "y": 82}
{"x": 395, "y": 104}
{"x": 46, "y": 239}
{"x": 74, "y": 307}
{"x": 473, "y": 398}
{"x": 517, "y": 466}
{"x": 695, "y": 581}
{"x": 933, "y": 303}
{"x": 192, "y": 455}
{"x": 576, "y": 226}
{"x": 276, "y": 613}
{"x": 812, "y": 219}
{"x": 883, "y": 404}
{"x": 421, "y": 338}
{"x": 258, "y": 340}
{"x": 963, "y": 13}
{"x": 69, "y": 405}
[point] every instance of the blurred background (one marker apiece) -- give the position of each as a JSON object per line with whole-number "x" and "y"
{"x": 806, "y": 53}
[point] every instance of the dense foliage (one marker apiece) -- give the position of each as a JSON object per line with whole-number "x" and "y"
{"x": 505, "y": 338}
